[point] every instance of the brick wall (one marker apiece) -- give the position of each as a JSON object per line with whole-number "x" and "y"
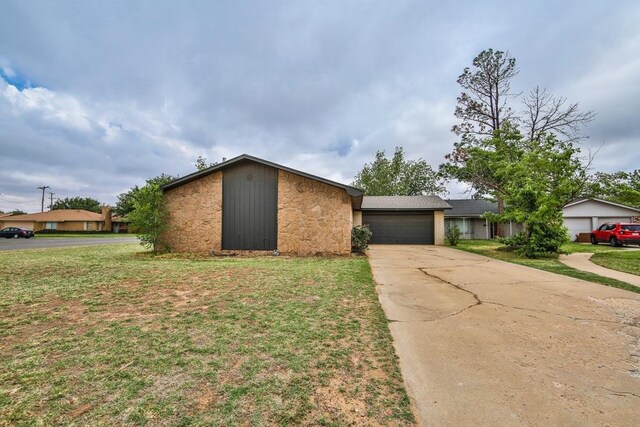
{"x": 195, "y": 215}
{"x": 357, "y": 218}
{"x": 438, "y": 227}
{"x": 313, "y": 217}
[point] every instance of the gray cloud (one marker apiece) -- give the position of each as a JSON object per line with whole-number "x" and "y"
{"x": 123, "y": 91}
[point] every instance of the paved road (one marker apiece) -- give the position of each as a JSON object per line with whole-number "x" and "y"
{"x": 60, "y": 242}
{"x": 582, "y": 261}
{"x": 485, "y": 342}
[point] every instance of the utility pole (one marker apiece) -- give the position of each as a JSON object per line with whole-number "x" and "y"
{"x": 51, "y": 197}
{"x": 44, "y": 187}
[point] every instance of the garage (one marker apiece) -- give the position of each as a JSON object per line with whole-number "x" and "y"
{"x": 575, "y": 226}
{"x": 405, "y": 219}
{"x": 400, "y": 227}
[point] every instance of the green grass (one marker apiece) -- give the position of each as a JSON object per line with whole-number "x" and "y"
{"x": 627, "y": 261}
{"x": 588, "y": 247}
{"x": 490, "y": 248}
{"x": 110, "y": 336}
{"x": 82, "y": 235}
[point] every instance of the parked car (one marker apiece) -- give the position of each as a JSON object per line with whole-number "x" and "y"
{"x": 616, "y": 234}
{"x": 15, "y": 232}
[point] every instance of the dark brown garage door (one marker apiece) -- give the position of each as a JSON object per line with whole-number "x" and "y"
{"x": 400, "y": 227}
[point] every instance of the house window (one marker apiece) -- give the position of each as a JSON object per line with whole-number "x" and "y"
{"x": 466, "y": 225}
{"x": 50, "y": 225}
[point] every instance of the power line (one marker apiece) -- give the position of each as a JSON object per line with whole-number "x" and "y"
{"x": 44, "y": 187}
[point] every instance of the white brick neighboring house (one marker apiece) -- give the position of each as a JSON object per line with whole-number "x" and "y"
{"x": 584, "y": 215}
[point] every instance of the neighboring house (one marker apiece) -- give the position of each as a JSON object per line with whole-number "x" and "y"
{"x": 467, "y": 215}
{"x": 62, "y": 219}
{"x": 403, "y": 219}
{"x": 250, "y": 204}
{"x": 580, "y": 216}
{"x": 584, "y": 215}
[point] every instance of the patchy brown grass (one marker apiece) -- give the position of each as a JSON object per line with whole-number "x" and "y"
{"x": 106, "y": 335}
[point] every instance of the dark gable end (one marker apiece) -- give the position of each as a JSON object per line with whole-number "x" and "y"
{"x": 355, "y": 193}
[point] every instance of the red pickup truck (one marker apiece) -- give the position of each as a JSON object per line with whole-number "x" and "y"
{"x": 616, "y": 234}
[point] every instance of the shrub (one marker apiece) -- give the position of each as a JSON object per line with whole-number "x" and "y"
{"x": 360, "y": 236}
{"x": 538, "y": 240}
{"x": 453, "y": 235}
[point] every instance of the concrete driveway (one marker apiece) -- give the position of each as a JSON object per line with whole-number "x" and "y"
{"x": 484, "y": 342}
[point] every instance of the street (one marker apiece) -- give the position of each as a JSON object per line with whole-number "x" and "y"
{"x": 61, "y": 242}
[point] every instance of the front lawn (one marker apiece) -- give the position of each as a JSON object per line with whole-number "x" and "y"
{"x": 491, "y": 249}
{"x": 627, "y": 261}
{"x": 107, "y": 335}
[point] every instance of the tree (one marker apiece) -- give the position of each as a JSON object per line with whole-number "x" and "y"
{"x": 482, "y": 106}
{"x": 17, "y": 212}
{"x": 544, "y": 114}
{"x": 149, "y": 215}
{"x": 126, "y": 201}
{"x": 86, "y": 203}
{"x": 619, "y": 187}
{"x": 537, "y": 179}
{"x": 398, "y": 177}
{"x": 201, "y": 163}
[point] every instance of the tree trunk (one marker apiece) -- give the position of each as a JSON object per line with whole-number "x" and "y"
{"x": 500, "y": 228}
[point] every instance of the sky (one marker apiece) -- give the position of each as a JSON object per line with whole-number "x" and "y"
{"x": 96, "y": 97}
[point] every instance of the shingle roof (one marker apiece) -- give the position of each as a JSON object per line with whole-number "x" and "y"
{"x": 578, "y": 201}
{"x": 470, "y": 207}
{"x": 59, "y": 215}
{"x": 403, "y": 203}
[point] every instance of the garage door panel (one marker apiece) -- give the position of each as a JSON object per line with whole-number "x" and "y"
{"x": 400, "y": 228}
{"x": 576, "y": 226}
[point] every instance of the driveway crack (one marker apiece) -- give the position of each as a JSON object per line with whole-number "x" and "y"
{"x": 621, "y": 393}
{"x": 473, "y": 294}
{"x": 537, "y": 310}
{"x": 479, "y": 302}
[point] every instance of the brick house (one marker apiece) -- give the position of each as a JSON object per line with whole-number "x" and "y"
{"x": 250, "y": 204}
{"x": 62, "y": 220}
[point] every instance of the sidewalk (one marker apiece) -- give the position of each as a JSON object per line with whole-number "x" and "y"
{"x": 581, "y": 261}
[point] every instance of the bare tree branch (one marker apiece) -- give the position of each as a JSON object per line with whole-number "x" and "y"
{"x": 544, "y": 113}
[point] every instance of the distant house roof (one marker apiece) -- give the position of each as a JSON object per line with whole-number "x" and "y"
{"x": 579, "y": 201}
{"x": 59, "y": 215}
{"x": 470, "y": 207}
{"x": 403, "y": 203}
{"x": 2, "y": 215}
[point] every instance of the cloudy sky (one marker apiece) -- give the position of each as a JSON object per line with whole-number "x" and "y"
{"x": 97, "y": 96}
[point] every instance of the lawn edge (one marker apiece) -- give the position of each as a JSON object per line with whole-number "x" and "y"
{"x": 575, "y": 273}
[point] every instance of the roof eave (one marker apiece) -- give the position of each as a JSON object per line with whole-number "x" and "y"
{"x": 405, "y": 209}
{"x": 577, "y": 202}
{"x": 351, "y": 191}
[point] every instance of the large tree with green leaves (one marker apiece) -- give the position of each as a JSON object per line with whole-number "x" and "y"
{"x": 86, "y": 203}
{"x": 619, "y": 187}
{"x": 486, "y": 105}
{"x": 537, "y": 178}
{"x": 398, "y": 176}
